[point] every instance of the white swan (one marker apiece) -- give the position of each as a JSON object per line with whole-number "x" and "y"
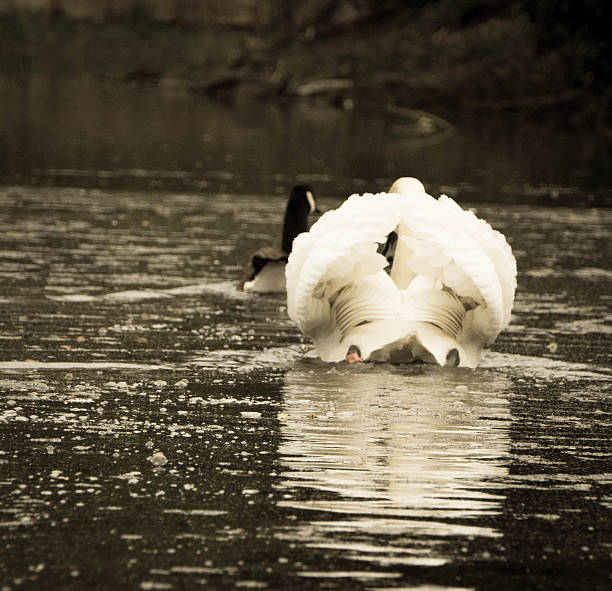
{"x": 446, "y": 293}
{"x": 265, "y": 270}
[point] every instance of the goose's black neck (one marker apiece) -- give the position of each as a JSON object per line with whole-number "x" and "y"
{"x": 296, "y": 216}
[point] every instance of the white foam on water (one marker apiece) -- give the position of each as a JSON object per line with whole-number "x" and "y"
{"x": 60, "y": 365}
{"x": 224, "y": 288}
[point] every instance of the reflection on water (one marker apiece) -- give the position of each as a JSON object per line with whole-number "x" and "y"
{"x": 83, "y": 133}
{"x": 398, "y": 468}
{"x": 393, "y": 462}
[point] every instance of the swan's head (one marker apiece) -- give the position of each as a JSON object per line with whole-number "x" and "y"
{"x": 407, "y": 185}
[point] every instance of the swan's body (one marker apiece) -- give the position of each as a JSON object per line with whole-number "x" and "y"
{"x": 265, "y": 270}
{"x": 447, "y": 294}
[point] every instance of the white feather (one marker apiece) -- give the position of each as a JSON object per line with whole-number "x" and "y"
{"x": 451, "y": 285}
{"x": 270, "y": 279}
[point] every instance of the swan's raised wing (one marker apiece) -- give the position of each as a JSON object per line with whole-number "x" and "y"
{"x": 441, "y": 241}
{"x": 338, "y": 253}
{"x": 496, "y": 248}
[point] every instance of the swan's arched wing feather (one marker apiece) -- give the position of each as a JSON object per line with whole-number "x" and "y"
{"x": 496, "y": 247}
{"x": 372, "y": 297}
{"x": 442, "y": 241}
{"x": 339, "y": 249}
{"x": 452, "y": 276}
{"x": 367, "y": 212}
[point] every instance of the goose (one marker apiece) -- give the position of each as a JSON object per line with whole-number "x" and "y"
{"x": 400, "y": 277}
{"x": 265, "y": 271}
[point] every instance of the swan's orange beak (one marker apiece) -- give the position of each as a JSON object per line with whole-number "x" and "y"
{"x": 353, "y": 354}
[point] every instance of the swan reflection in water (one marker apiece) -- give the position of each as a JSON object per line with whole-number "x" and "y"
{"x": 393, "y": 462}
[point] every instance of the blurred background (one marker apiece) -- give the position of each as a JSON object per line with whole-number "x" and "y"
{"x": 487, "y": 100}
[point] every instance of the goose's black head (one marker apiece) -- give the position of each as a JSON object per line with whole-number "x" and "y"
{"x": 301, "y": 203}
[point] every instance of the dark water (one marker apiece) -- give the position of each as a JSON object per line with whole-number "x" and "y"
{"x": 84, "y": 133}
{"x": 160, "y": 430}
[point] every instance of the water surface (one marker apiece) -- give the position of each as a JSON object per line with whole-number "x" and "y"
{"x": 185, "y": 432}
{"x": 161, "y": 430}
{"x": 88, "y": 133}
